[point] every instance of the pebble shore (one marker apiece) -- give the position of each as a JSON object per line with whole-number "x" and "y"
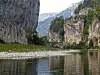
{"x": 30, "y": 55}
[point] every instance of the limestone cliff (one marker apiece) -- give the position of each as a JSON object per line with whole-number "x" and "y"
{"x": 83, "y": 27}
{"x": 73, "y": 29}
{"x": 17, "y": 16}
{"x": 56, "y": 31}
{"x": 94, "y": 32}
{"x": 54, "y": 37}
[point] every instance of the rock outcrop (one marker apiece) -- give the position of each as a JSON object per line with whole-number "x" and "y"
{"x": 73, "y": 29}
{"x": 54, "y": 37}
{"x": 44, "y": 25}
{"x": 94, "y": 32}
{"x": 83, "y": 27}
{"x": 17, "y": 16}
{"x": 56, "y": 31}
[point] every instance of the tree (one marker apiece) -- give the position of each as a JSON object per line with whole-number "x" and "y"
{"x": 2, "y": 41}
{"x": 57, "y": 25}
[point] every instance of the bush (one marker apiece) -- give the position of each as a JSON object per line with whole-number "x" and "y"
{"x": 80, "y": 6}
{"x": 34, "y": 39}
{"x": 81, "y": 45}
{"x": 57, "y": 25}
{"x": 67, "y": 46}
{"x": 2, "y": 41}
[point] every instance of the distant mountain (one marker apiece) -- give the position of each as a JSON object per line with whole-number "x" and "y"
{"x": 43, "y": 26}
{"x": 44, "y": 16}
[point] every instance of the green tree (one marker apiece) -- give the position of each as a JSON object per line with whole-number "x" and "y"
{"x": 57, "y": 25}
{"x": 2, "y": 41}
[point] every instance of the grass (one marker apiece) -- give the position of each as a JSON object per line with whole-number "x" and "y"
{"x": 23, "y": 47}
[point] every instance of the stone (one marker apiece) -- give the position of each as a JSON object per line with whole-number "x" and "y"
{"x": 94, "y": 32}
{"x": 73, "y": 29}
{"x": 15, "y": 17}
{"x": 54, "y": 36}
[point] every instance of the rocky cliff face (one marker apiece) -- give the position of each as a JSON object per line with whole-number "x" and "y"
{"x": 56, "y": 31}
{"x": 73, "y": 29}
{"x": 17, "y": 16}
{"x": 54, "y": 37}
{"x": 94, "y": 32}
{"x": 44, "y": 25}
{"x": 83, "y": 27}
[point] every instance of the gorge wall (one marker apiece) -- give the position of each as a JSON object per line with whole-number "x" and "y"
{"x": 73, "y": 29}
{"x": 54, "y": 36}
{"x": 56, "y": 31}
{"x": 94, "y": 32}
{"x": 83, "y": 27}
{"x": 16, "y": 17}
{"x": 76, "y": 27}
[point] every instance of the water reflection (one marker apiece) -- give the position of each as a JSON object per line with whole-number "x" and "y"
{"x": 85, "y": 63}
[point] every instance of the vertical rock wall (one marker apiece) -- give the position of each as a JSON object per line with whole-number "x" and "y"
{"x": 54, "y": 36}
{"x": 73, "y": 30}
{"x": 94, "y": 32}
{"x": 15, "y": 17}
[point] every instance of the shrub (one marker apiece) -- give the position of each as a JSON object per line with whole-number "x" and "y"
{"x": 57, "y": 25}
{"x": 66, "y": 46}
{"x": 2, "y": 41}
{"x": 81, "y": 45}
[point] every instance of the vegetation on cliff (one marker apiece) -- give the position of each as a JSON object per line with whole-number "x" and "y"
{"x": 93, "y": 13}
{"x": 84, "y": 4}
{"x": 15, "y": 15}
{"x": 87, "y": 22}
{"x": 57, "y": 25}
{"x": 93, "y": 9}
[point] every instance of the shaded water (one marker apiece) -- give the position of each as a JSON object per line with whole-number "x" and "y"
{"x": 85, "y": 63}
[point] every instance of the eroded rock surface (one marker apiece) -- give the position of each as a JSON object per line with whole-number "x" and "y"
{"x": 94, "y": 32}
{"x": 15, "y": 17}
{"x": 73, "y": 29}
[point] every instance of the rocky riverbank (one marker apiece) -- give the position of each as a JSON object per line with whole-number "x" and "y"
{"x": 30, "y": 55}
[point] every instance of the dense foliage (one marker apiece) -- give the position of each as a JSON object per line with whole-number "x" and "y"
{"x": 35, "y": 39}
{"x": 88, "y": 21}
{"x": 57, "y": 25}
{"x": 84, "y": 4}
{"x": 80, "y": 6}
{"x": 81, "y": 45}
{"x": 92, "y": 14}
{"x": 2, "y": 41}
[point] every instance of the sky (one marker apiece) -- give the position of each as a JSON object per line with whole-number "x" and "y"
{"x": 49, "y": 6}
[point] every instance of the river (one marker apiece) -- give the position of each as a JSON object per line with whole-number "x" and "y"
{"x": 76, "y": 63}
